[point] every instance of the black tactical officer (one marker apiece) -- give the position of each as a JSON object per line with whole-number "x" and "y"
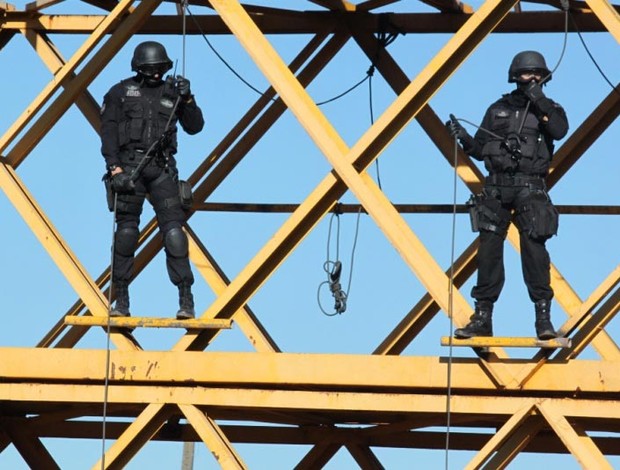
{"x": 139, "y": 125}
{"x": 515, "y": 141}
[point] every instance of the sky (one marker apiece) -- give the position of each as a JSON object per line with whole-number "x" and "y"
{"x": 64, "y": 171}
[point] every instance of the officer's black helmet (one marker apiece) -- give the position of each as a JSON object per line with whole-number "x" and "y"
{"x": 150, "y": 53}
{"x": 528, "y": 61}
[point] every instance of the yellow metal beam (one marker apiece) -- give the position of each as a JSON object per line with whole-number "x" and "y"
{"x": 65, "y": 72}
{"x": 578, "y": 443}
{"x": 608, "y": 15}
{"x": 386, "y": 127}
{"x": 148, "y": 322}
{"x": 123, "y": 31}
{"x": 300, "y": 370}
{"x": 256, "y": 334}
{"x": 51, "y": 57}
{"x": 136, "y": 435}
{"x": 500, "y": 437}
{"x": 515, "y": 443}
{"x": 30, "y": 447}
{"x": 506, "y": 342}
{"x": 56, "y": 247}
{"x": 213, "y": 437}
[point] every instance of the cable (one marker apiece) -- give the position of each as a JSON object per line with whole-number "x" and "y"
{"x": 592, "y": 57}
{"x": 333, "y": 268}
{"x": 106, "y": 382}
{"x": 252, "y": 87}
{"x": 183, "y": 8}
{"x": 450, "y": 306}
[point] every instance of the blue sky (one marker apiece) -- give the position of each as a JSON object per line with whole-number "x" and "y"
{"x": 63, "y": 173}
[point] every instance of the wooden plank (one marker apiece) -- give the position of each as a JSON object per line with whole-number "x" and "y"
{"x": 506, "y": 342}
{"x": 148, "y": 322}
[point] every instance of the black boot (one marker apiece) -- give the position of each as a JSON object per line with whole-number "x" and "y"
{"x": 186, "y": 303}
{"x": 544, "y": 328}
{"x": 480, "y": 323}
{"x": 121, "y": 306}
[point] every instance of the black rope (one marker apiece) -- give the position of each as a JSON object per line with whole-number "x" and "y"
{"x": 252, "y": 87}
{"x": 600, "y": 70}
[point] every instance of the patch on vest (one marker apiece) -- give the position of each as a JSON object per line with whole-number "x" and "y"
{"x": 166, "y": 103}
{"x": 133, "y": 90}
{"x": 502, "y": 114}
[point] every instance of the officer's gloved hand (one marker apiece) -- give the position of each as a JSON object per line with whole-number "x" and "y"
{"x": 182, "y": 86}
{"x": 457, "y": 130}
{"x": 122, "y": 183}
{"x": 534, "y": 92}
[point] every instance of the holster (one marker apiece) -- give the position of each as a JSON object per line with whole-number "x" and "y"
{"x": 472, "y": 204}
{"x": 109, "y": 192}
{"x": 186, "y": 195}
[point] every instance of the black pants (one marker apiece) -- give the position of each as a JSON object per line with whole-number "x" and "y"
{"x": 162, "y": 186}
{"x": 502, "y": 201}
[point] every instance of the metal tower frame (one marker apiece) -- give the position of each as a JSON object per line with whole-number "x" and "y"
{"x": 553, "y": 403}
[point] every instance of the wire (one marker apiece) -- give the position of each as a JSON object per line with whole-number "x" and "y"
{"x": 252, "y": 87}
{"x": 106, "y": 382}
{"x": 184, "y": 7}
{"x": 450, "y": 306}
{"x": 615, "y": 88}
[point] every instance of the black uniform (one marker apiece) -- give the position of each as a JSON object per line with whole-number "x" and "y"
{"x": 134, "y": 116}
{"x": 516, "y": 150}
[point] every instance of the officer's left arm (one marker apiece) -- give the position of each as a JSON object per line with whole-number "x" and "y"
{"x": 554, "y": 120}
{"x": 550, "y": 114}
{"x": 190, "y": 116}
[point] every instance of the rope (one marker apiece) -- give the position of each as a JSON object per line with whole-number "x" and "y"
{"x": 592, "y": 57}
{"x": 252, "y": 87}
{"x": 106, "y": 382}
{"x": 450, "y": 306}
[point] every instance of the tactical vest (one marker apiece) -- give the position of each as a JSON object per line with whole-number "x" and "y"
{"x": 144, "y": 116}
{"x": 523, "y": 147}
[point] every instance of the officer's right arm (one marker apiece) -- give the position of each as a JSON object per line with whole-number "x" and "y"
{"x": 109, "y": 128}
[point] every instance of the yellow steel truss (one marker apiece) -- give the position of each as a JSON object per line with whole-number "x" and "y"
{"x": 548, "y": 403}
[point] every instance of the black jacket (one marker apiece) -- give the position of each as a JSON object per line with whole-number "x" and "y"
{"x": 135, "y": 115}
{"x": 507, "y": 142}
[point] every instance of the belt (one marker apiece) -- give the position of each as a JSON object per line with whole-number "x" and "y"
{"x": 503, "y": 179}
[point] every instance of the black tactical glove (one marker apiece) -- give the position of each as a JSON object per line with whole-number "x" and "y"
{"x": 182, "y": 86}
{"x": 457, "y": 130}
{"x": 534, "y": 93}
{"x": 122, "y": 183}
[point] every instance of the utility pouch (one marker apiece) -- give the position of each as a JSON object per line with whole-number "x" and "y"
{"x": 186, "y": 195}
{"x": 538, "y": 217}
{"x": 109, "y": 192}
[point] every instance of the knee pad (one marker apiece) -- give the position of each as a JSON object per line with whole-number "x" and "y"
{"x": 175, "y": 242}
{"x": 126, "y": 240}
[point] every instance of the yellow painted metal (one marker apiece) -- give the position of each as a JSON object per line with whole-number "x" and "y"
{"x": 213, "y": 437}
{"x": 344, "y": 377}
{"x": 52, "y": 58}
{"x": 124, "y": 30}
{"x": 56, "y": 247}
{"x": 579, "y": 444}
{"x": 608, "y": 15}
{"x": 40, "y": 4}
{"x": 515, "y": 443}
{"x": 248, "y": 323}
{"x": 499, "y": 437}
{"x": 334, "y": 148}
{"x": 301, "y": 370}
{"x": 506, "y": 342}
{"x": 147, "y": 322}
{"x": 132, "y": 440}
{"x": 69, "y": 68}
